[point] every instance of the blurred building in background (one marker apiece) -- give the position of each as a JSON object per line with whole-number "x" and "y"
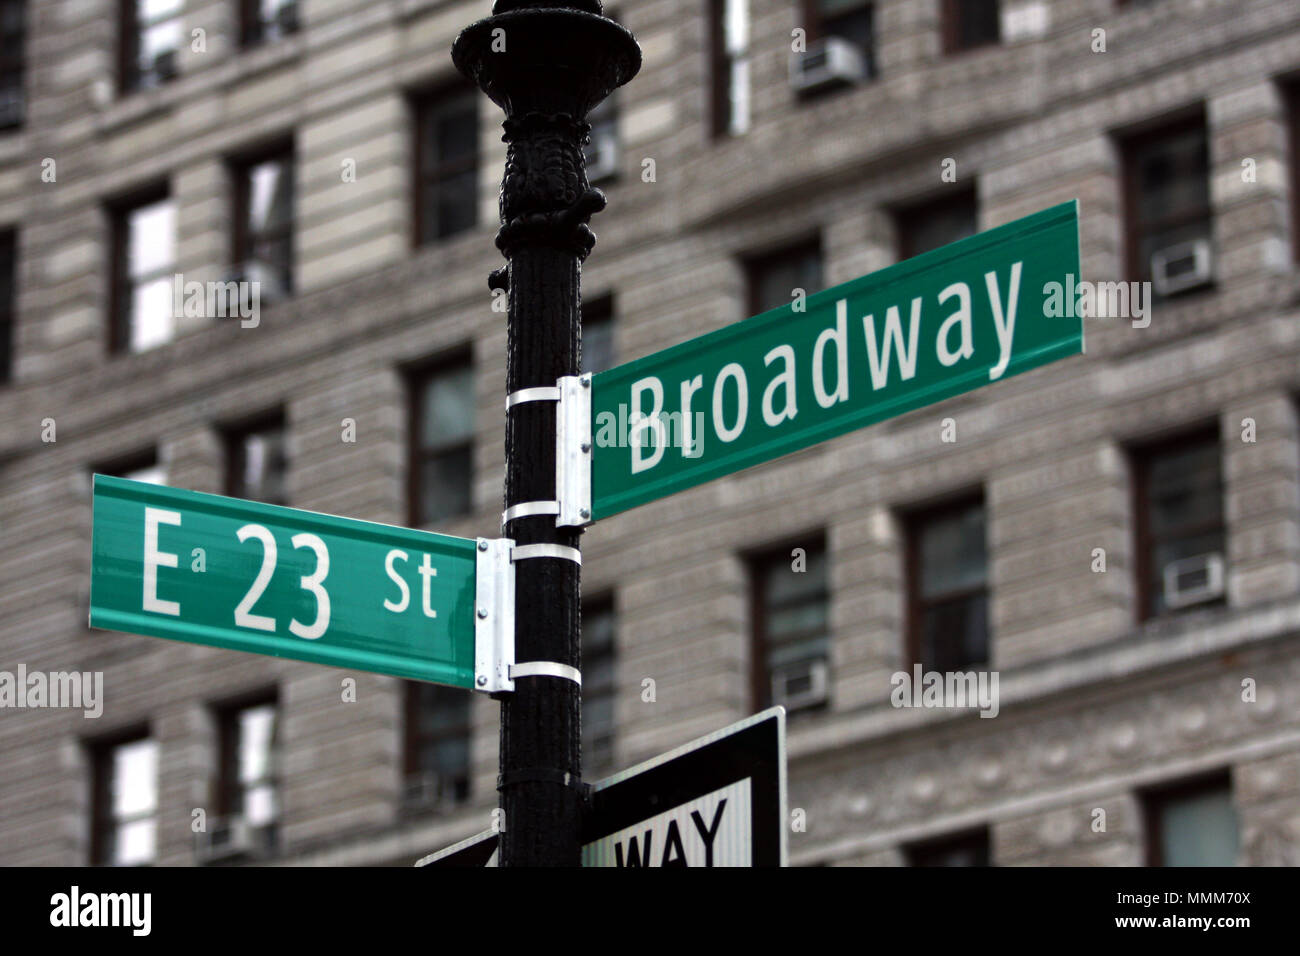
{"x": 326, "y": 149}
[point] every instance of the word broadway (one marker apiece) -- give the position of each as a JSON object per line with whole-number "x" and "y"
{"x": 56, "y": 689}
{"x": 857, "y": 355}
{"x": 949, "y": 689}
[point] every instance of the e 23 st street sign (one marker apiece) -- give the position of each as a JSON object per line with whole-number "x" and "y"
{"x": 248, "y": 576}
{"x": 945, "y": 322}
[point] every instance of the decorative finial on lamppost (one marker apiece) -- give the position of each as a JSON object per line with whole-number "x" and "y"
{"x": 547, "y": 63}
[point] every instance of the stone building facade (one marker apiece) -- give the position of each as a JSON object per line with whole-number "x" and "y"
{"x": 724, "y": 173}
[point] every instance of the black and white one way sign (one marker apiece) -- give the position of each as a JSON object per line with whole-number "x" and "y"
{"x": 717, "y": 801}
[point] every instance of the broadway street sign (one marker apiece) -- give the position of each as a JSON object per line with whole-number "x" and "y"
{"x": 255, "y": 577}
{"x": 717, "y": 801}
{"x": 926, "y": 329}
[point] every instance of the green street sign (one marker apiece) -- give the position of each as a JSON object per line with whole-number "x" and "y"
{"x": 945, "y": 322}
{"x": 248, "y": 576}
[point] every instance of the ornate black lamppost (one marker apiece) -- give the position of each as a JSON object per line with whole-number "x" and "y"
{"x": 546, "y": 63}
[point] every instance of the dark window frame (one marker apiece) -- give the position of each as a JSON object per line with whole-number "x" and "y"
{"x": 754, "y": 265}
{"x": 119, "y": 216}
{"x": 605, "y": 602}
{"x": 134, "y": 461}
{"x": 757, "y": 563}
{"x": 914, "y": 520}
{"x": 1141, "y": 458}
{"x": 1292, "y": 94}
{"x": 719, "y": 72}
{"x": 8, "y": 304}
{"x": 228, "y": 789}
{"x": 907, "y": 217}
{"x": 412, "y": 741}
{"x": 417, "y": 376}
{"x": 425, "y": 107}
{"x": 243, "y": 240}
{"x": 130, "y": 31}
{"x": 100, "y": 751}
{"x": 814, "y": 22}
{"x": 952, "y": 14}
{"x": 1156, "y": 798}
{"x": 1132, "y": 144}
{"x": 979, "y": 839}
{"x": 599, "y": 310}
{"x": 13, "y": 69}
{"x": 232, "y": 438}
{"x": 253, "y": 28}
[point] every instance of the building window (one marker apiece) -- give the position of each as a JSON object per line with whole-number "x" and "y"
{"x": 265, "y": 21}
{"x": 948, "y": 587}
{"x": 125, "y": 802}
{"x": 598, "y": 334}
{"x": 601, "y": 152}
{"x": 8, "y": 295}
{"x": 791, "y": 626}
{"x": 248, "y": 774}
{"x": 1192, "y": 823}
{"x": 849, "y": 20}
{"x": 969, "y": 24}
{"x": 13, "y": 39}
{"x": 144, "y": 466}
{"x": 1181, "y": 536}
{"x": 1167, "y": 207}
{"x": 256, "y": 461}
{"x": 151, "y": 34}
{"x": 598, "y": 684}
{"x": 442, "y": 443}
{"x": 446, "y": 162}
{"x": 437, "y": 746}
{"x": 964, "y": 849}
{"x": 144, "y": 261}
{"x": 262, "y": 249}
{"x": 772, "y": 278}
{"x": 729, "y": 73}
{"x": 936, "y": 223}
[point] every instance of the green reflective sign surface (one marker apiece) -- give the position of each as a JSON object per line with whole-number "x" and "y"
{"x": 945, "y": 322}
{"x": 254, "y": 577}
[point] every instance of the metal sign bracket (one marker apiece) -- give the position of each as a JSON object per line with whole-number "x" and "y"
{"x": 573, "y": 451}
{"x": 494, "y": 615}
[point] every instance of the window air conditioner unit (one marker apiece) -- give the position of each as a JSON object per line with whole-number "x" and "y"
{"x": 424, "y": 791}
{"x": 801, "y": 684}
{"x": 602, "y": 154}
{"x": 827, "y": 62}
{"x": 229, "y": 839}
{"x": 1182, "y": 266}
{"x": 1193, "y": 580}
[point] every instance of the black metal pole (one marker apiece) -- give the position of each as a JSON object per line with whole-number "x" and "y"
{"x": 546, "y": 64}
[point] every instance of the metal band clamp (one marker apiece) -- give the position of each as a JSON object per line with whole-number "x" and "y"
{"x": 546, "y": 669}
{"x": 542, "y": 393}
{"x": 526, "y": 509}
{"x": 564, "y": 552}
